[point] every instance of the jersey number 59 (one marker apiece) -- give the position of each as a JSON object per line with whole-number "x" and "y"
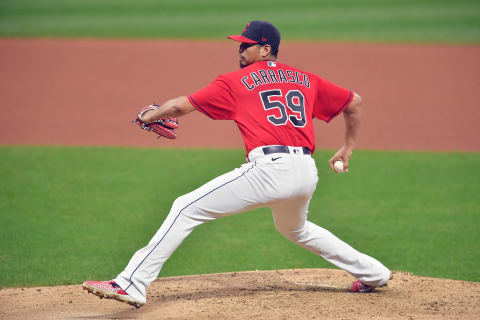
{"x": 294, "y": 100}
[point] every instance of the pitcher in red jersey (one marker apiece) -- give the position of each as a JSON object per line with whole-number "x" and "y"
{"x": 274, "y": 105}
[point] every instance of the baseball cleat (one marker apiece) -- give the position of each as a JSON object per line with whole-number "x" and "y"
{"x": 110, "y": 290}
{"x": 359, "y": 286}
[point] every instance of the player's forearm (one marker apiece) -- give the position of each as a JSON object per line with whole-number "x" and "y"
{"x": 353, "y": 118}
{"x": 173, "y": 108}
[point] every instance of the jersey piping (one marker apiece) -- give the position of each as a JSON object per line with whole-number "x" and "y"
{"x": 342, "y": 108}
{"x": 196, "y": 105}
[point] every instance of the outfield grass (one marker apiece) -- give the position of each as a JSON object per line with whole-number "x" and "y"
{"x": 69, "y": 214}
{"x": 452, "y": 21}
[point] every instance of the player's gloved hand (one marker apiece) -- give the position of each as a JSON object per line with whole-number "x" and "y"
{"x": 163, "y": 127}
{"x": 172, "y": 123}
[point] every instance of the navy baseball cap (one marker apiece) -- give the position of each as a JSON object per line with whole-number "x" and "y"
{"x": 262, "y": 32}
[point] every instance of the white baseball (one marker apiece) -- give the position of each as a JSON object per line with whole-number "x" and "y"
{"x": 338, "y": 166}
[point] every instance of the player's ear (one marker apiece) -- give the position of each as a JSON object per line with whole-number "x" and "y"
{"x": 265, "y": 50}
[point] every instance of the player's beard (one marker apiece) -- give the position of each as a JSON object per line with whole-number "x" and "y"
{"x": 244, "y": 64}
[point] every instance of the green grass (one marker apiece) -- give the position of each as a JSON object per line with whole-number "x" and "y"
{"x": 68, "y": 214}
{"x": 420, "y": 21}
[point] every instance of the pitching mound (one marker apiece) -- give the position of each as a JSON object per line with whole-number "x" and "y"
{"x": 284, "y": 294}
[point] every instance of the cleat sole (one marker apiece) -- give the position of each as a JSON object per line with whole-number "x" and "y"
{"x": 108, "y": 295}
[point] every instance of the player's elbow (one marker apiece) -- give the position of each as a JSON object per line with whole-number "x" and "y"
{"x": 175, "y": 111}
{"x": 180, "y": 106}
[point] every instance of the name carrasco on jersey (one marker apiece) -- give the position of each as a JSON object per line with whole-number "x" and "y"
{"x": 262, "y": 77}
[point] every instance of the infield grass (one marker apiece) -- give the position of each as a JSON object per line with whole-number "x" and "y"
{"x": 419, "y": 21}
{"x": 69, "y": 214}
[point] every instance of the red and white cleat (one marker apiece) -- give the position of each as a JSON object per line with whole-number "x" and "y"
{"x": 359, "y": 286}
{"x": 110, "y": 290}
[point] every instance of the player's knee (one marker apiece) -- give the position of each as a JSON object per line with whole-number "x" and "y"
{"x": 185, "y": 206}
{"x": 180, "y": 204}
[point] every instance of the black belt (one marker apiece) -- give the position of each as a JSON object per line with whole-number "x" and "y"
{"x": 282, "y": 149}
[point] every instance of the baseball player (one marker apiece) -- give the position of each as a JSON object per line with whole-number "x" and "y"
{"x": 273, "y": 105}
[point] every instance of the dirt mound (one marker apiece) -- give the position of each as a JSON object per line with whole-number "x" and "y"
{"x": 281, "y": 294}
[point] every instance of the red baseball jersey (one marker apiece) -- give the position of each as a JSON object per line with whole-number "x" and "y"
{"x": 272, "y": 103}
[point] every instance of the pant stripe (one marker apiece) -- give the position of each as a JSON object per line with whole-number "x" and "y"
{"x": 180, "y": 212}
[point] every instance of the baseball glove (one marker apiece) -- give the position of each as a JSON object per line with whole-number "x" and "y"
{"x": 163, "y": 127}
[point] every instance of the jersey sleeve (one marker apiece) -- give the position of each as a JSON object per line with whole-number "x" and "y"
{"x": 215, "y": 100}
{"x": 331, "y": 100}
